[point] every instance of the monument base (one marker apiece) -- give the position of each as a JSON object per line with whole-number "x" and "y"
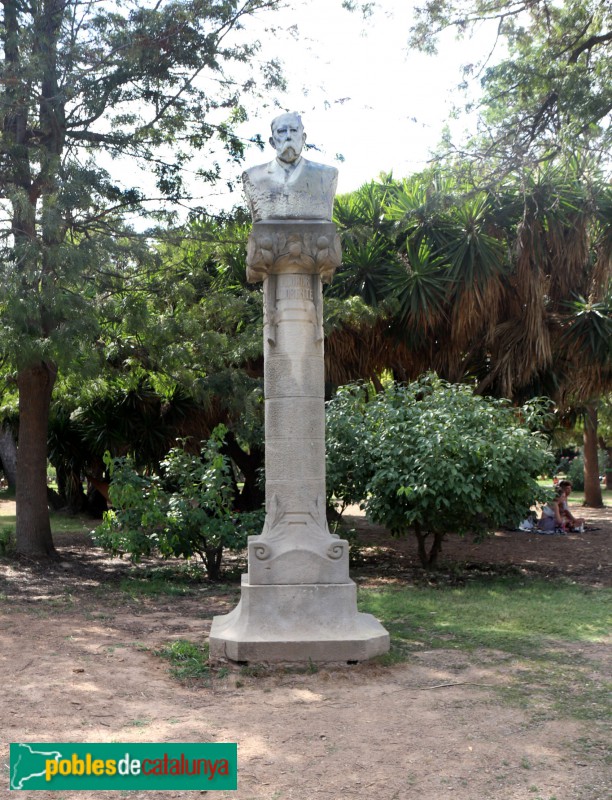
{"x": 297, "y": 623}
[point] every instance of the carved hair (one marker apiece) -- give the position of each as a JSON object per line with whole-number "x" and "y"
{"x": 276, "y": 120}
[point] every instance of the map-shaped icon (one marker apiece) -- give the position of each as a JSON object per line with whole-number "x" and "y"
{"x": 28, "y": 763}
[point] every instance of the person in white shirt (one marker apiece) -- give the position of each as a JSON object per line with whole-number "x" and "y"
{"x": 574, "y": 523}
{"x": 551, "y": 520}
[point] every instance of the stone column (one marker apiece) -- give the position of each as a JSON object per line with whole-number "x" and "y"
{"x": 297, "y": 603}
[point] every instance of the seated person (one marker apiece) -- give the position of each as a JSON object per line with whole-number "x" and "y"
{"x": 552, "y": 519}
{"x": 574, "y": 523}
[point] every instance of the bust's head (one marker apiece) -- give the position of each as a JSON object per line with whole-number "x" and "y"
{"x": 288, "y": 136}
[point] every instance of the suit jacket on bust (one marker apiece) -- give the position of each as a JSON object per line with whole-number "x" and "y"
{"x": 305, "y": 191}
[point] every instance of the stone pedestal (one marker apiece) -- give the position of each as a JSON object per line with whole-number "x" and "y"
{"x": 297, "y": 623}
{"x": 297, "y": 601}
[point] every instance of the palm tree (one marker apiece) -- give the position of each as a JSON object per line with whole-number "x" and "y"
{"x": 503, "y": 287}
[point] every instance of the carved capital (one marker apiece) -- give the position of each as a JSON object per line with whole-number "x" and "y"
{"x": 293, "y": 246}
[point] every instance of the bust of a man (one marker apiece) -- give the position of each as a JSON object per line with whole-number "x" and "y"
{"x": 290, "y": 187}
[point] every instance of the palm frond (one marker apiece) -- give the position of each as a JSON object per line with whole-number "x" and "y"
{"x": 419, "y": 285}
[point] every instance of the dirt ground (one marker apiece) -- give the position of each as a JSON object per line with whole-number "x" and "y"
{"x": 78, "y": 665}
{"x": 586, "y": 558}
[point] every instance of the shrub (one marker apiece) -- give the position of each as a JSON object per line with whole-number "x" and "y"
{"x": 434, "y": 458}
{"x": 185, "y": 511}
{"x": 563, "y": 466}
{"x": 575, "y": 471}
{"x": 347, "y": 475}
{"x": 7, "y": 540}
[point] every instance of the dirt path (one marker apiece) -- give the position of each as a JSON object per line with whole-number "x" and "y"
{"x": 78, "y": 665}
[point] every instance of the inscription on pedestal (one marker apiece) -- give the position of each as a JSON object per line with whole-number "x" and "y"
{"x": 295, "y": 287}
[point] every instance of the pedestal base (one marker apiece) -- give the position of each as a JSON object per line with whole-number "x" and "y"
{"x": 297, "y": 623}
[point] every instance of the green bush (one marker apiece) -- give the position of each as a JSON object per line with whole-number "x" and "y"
{"x": 563, "y": 465}
{"x": 575, "y": 472}
{"x": 7, "y": 540}
{"x": 434, "y": 458}
{"x": 347, "y": 474}
{"x": 185, "y": 511}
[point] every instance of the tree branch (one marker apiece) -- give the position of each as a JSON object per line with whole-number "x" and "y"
{"x": 589, "y": 44}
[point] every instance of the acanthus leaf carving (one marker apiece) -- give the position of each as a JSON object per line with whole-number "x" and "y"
{"x": 271, "y": 250}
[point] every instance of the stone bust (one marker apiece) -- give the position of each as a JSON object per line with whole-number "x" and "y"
{"x": 290, "y": 186}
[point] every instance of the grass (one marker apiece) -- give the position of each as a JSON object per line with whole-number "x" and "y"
{"x": 60, "y": 523}
{"x": 188, "y": 661}
{"x": 69, "y": 523}
{"x": 516, "y": 615}
{"x": 181, "y": 580}
{"x": 528, "y": 623}
{"x": 136, "y": 586}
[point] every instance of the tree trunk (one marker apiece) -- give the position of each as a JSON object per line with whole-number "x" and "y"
{"x": 8, "y": 456}
{"x": 421, "y": 548}
{"x": 436, "y": 549}
{"x": 252, "y": 496}
{"x": 592, "y": 486}
{"x": 70, "y": 489}
{"x": 212, "y": 559}
{"x": 33, "y": 530}
{"x": 378, "y": 387}
{"x": 428, "y": 560}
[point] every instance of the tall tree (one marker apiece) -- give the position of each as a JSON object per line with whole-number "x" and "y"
{"x": 507, "y": 288}
{"x": 84, "y": 83}
{"x": 549, "y": 93}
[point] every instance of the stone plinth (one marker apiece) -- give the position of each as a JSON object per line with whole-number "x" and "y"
{"x": 297, "y": 601}
{"x": 297, "y": 623}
